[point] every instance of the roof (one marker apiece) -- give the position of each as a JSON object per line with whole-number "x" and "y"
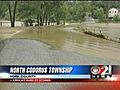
{"x": 115, "y": 8}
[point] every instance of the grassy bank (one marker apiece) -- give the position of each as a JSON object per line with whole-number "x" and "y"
{"x": 109, "y": 31}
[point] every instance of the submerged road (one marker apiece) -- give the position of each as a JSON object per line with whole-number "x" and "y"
{"x": 26, "y": 51}
{"x": 23, "y": 51}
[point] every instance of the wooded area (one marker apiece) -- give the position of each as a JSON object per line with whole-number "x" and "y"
{"x": 59, "y": 12}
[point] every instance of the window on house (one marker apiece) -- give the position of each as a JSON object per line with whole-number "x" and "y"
{"x": 115, "y": 11}
{"x": 109, "y": 11}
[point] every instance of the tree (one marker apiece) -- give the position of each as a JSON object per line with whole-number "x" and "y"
{"x": 99, "y": 14}
{"x": 116, "y": 19}
{"x": 59, "y": 12}
{"x": 78, "y": 12}
{"x": 3, "y": 9}
{"x": 27, "y": 12}
{"x": 12, "y": 11}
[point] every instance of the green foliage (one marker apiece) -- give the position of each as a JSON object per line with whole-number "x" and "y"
{"x": 26, "y": 9}
{"x": 99, "y": 14}
{"x": 3, "y": 9}
{"x": 116, "y": 19}
{"x": 78, "y": 12}
{"x": 46, "y": 12}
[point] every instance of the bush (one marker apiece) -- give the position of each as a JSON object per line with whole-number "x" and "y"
{"x": 116, "y": 19}
{"x": 28, "y": 22}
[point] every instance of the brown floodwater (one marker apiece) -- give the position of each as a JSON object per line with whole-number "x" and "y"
{"x": 66, "y": 39}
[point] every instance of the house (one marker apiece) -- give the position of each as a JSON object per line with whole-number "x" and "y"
{"x": 113, "y": 12}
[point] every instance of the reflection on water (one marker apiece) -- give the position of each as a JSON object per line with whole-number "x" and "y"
{"x": 74, "y": 42}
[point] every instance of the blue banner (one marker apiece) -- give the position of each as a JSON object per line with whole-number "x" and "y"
{"x": 47, "y": 69}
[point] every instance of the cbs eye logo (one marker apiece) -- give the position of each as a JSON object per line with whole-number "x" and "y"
{"x": 99, "y": 71}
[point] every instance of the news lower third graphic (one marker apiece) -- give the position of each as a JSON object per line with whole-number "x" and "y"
{"x": 59, "y": 73}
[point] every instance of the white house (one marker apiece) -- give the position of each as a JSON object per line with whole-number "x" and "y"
{"x": 112, "y": 12}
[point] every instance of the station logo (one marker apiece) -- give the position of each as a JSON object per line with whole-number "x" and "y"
{"x": 101, "y": 71}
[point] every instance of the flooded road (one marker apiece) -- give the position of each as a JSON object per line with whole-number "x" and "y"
{"x": 65, "y": 39}
{"x": 62, "y": 45}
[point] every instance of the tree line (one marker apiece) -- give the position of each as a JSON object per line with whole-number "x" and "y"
{"x": 59, "y": 12}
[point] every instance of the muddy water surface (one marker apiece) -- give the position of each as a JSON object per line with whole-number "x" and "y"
{"x": 66, "y": 40}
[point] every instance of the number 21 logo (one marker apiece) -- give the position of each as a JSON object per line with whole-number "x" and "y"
{"x": 101, "y": 69}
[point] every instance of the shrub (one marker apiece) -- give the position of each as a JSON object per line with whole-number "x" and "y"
{"x": 116, "y": 19}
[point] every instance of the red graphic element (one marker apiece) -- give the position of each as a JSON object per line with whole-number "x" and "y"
{"x": 95, "y": 70}
{"x": 101, "y": 69}
{"x": 92, "y": 86}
